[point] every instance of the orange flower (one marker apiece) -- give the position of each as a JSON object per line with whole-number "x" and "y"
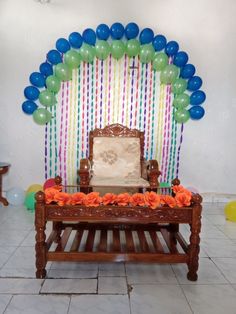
{"x": 183, "y": 199}
{"x": 49, "y": 194}
{"x": 77, "y": 198}
{"x": 62, "y": 198}
{"x": 92, "y": 199}
{"x": 123, "y": 199}
{"x": 137, "y": 199}
{"x": 177, "y": 188}
{"x": 168, "y": 200}
{"x": 152, "y": 199}
{"x": 109, "y": 198}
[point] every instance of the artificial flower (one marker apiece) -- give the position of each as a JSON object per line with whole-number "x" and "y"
{"x": 152, "y": 199}
{"x": 183, "y": 199}
{"x": 49, "y": 194}
{"x": 92, "y": 199}
{"x": 77, "y": 198}
{"x": 109, "y": 199}
{"x": 123, "y": 199}
{"x": 137, "y": 199}
{"x": 62, "y": 198}
{"x": 168, "y": 200}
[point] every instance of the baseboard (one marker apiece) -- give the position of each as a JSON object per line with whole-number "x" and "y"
{"x": 218, "y": 197}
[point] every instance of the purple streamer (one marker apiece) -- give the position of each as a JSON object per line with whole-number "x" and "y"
{"x": 145, "y": 98}
{"x": 132, "y": 93}
{"x": 168, "y": 105}
{"x": 66, "y": 131}
{"x": 61, "y": 128}
{"x": 46, "y": 152}
{"x": 101, "y": 92}
{"x": 87, "y": 126}
{"x": 179, "y": 148}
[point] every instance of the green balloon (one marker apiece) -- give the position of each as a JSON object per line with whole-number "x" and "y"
{"x": 179, "y": 86}
{"x": 53, "y": 83}
{"x": 102, "y": 49}
{"x": 87, "y": 53}
{"x": 132, "y": 47}
{"x": 30, "y": 201}
{"x": 42, "y": 116}
{"x": 72, "y": 59}
{"x": 169, "y": 74}
{"x": 47, "y": 98}
{"x": 146, "y": 53}
{"x": 181, "y": 101}
{"x": 117, "y": 49}
{"x": 160, "y": 61}
{"x": 181, "y": 115}
{"x": 63, "y": 72}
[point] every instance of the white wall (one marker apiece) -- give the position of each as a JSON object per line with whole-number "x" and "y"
{"x": 205, "y": 29}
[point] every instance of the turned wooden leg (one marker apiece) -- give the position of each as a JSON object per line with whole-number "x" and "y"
{"x": 57, "y": 226}
{"x": 40, "y": 246}
{"x": 194, "y": 247}
{"x": 2, "y": 199}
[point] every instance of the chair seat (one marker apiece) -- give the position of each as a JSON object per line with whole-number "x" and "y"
{"x": 98, "y": 181}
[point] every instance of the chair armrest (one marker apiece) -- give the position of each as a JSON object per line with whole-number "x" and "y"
{"x": 153, "y": 173}
{"x": 84, "y": 172}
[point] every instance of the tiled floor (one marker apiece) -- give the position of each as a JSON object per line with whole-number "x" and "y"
{"x": 117, "y": 288}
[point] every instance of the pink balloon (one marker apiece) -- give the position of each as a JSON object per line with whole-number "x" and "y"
{"x": 49, "y": 183}
{"x": 192, "y": 189}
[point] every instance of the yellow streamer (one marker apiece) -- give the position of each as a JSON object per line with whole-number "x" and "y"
{"x": 105, "y": 112}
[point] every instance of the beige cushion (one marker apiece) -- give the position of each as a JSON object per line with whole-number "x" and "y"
{"x": 116, "y": 157}
{"x": 116, "y": 181}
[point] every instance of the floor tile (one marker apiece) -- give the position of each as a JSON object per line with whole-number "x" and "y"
{"x": 4, "y": 300}
{"x": 111, "y": 269}
{"x": 150, "y": 273}
{"x": 112, "y": 285}
{"x": 229, "y": 230}
{"x": 153, "y": 299}
{"x": 23, "y": 257}
{"x": 217, "y": 219}
{"x": 37, "y": 304}
{"x": 99, "y": 304}
{"x": 211, "y": 299}
{"x": 20, "y": 286}
{"x": 10, "y": 237}
{"x": 219, "y": 247}
{"x": 227, "y": 266}
{"x": 63, "y": 273}
{"x": 74, "y": 266}
{"x": 69, "y": 286}
{"x": 208, "y": 273}
{"x": 6, "y": 252}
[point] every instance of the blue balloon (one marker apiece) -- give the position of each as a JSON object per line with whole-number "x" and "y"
{"x": 103, "y": 32}
{"x": 180, "y": 59}
{"x": 131, "y": 30}
{"x": 172, "y": 48}
{"x": 89, "y": 36}
{"x": 54, "y": 57}
{"x": 194, "y": 83}
{"x": 46, "y": 69}
{"x": 29, "y": 107}
{"x": 196, "y": 112}
{"x": 146, "y": 36}
{"x": 31, "y": 93}
{"x": 187, "y": 71}
{"x": 62, "y": 45}
{"x": 159, "y": 42}
{"x": 37, "y": 79}
{"x": 117, "y": 30}
{"x": 76, "y": 40}
{"x": 16, "y": 196}
{"x": 197, "y": 98}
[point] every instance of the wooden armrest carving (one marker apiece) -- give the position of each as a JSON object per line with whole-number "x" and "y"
{"x": 175, "y": 181}
{"x": 153, "y": 173}
{"x": 84, "y": 172}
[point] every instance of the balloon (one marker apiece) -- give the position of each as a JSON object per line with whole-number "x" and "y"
{"x": 117, "y": 31}
{"x": 31, "y": 93}
{"x": 197, "y": 98}
{"x": 42, "y": 116}
{"x": 160, "y": 61}
{"x": 47, "y": 98}
{"x": 72, "y": 59}
{"x": 230, "y": 211}
{"x": 194, "y": 83}
{"x": 172, "y": 48}
{"x": 63, "y": 72}
{"x": 196, "y": 112}
{"x": 181, "y": 101}
{"x": 89, "y": 36}
{"x": 102, "y": 49}
{"x": 87, "y": 53}
{"x": 29, "y": 107}
{"x": 15, "y": 196}
{"x": 37, "y": 79}
{"x": 180, "y": 59}
{"x": 54, "y": 57}
{"x": 131, "y": 30}
{"x": 159, "y": 42}
{"x": 169, "y": 74}
{"x": 146, "y": 53}
{"x": 46, "y": 69}
{"x": 179, "y": 86}
{"x": 103, "y": 32}
{"x": 76, "y": 40}
{"x": 34, "y": 188}
{"x": 181, "y": 115}
{"x": 49, "y": 183}
{"x": 146, "y": 36}
{"x": 53, "y": 84}
{"x": 187, "y": 71}
{"x": 30, "y": 201}
{"x": 62, "y": 45}
{"x": 117, "y": 49}
{"x": 132, "y": 47}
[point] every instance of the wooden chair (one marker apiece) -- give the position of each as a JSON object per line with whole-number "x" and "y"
{"x": 116, "y": 159}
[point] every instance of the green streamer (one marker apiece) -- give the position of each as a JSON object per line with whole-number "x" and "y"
{"x": 92, "y": 96}
{"x": 78, "y": 123}
{"x": 55, "y": 139}
{"x": 50, "y": 144}
{"x": 153, "y": 112}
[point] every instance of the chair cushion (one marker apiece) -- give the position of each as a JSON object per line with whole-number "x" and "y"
{"x": 116, "y": 157}
{"x": 116, "y": 181}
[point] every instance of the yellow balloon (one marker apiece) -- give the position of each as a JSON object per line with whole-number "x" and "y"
{"x": 34, "y": 188}
{"x": 230, "y": 211}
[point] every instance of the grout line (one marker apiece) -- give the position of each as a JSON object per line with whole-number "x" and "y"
{"x": 69, "y": 305}
{"x": 8, "y": 304}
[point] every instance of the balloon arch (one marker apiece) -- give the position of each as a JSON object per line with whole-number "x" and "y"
{"x": 110, "y": 76}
